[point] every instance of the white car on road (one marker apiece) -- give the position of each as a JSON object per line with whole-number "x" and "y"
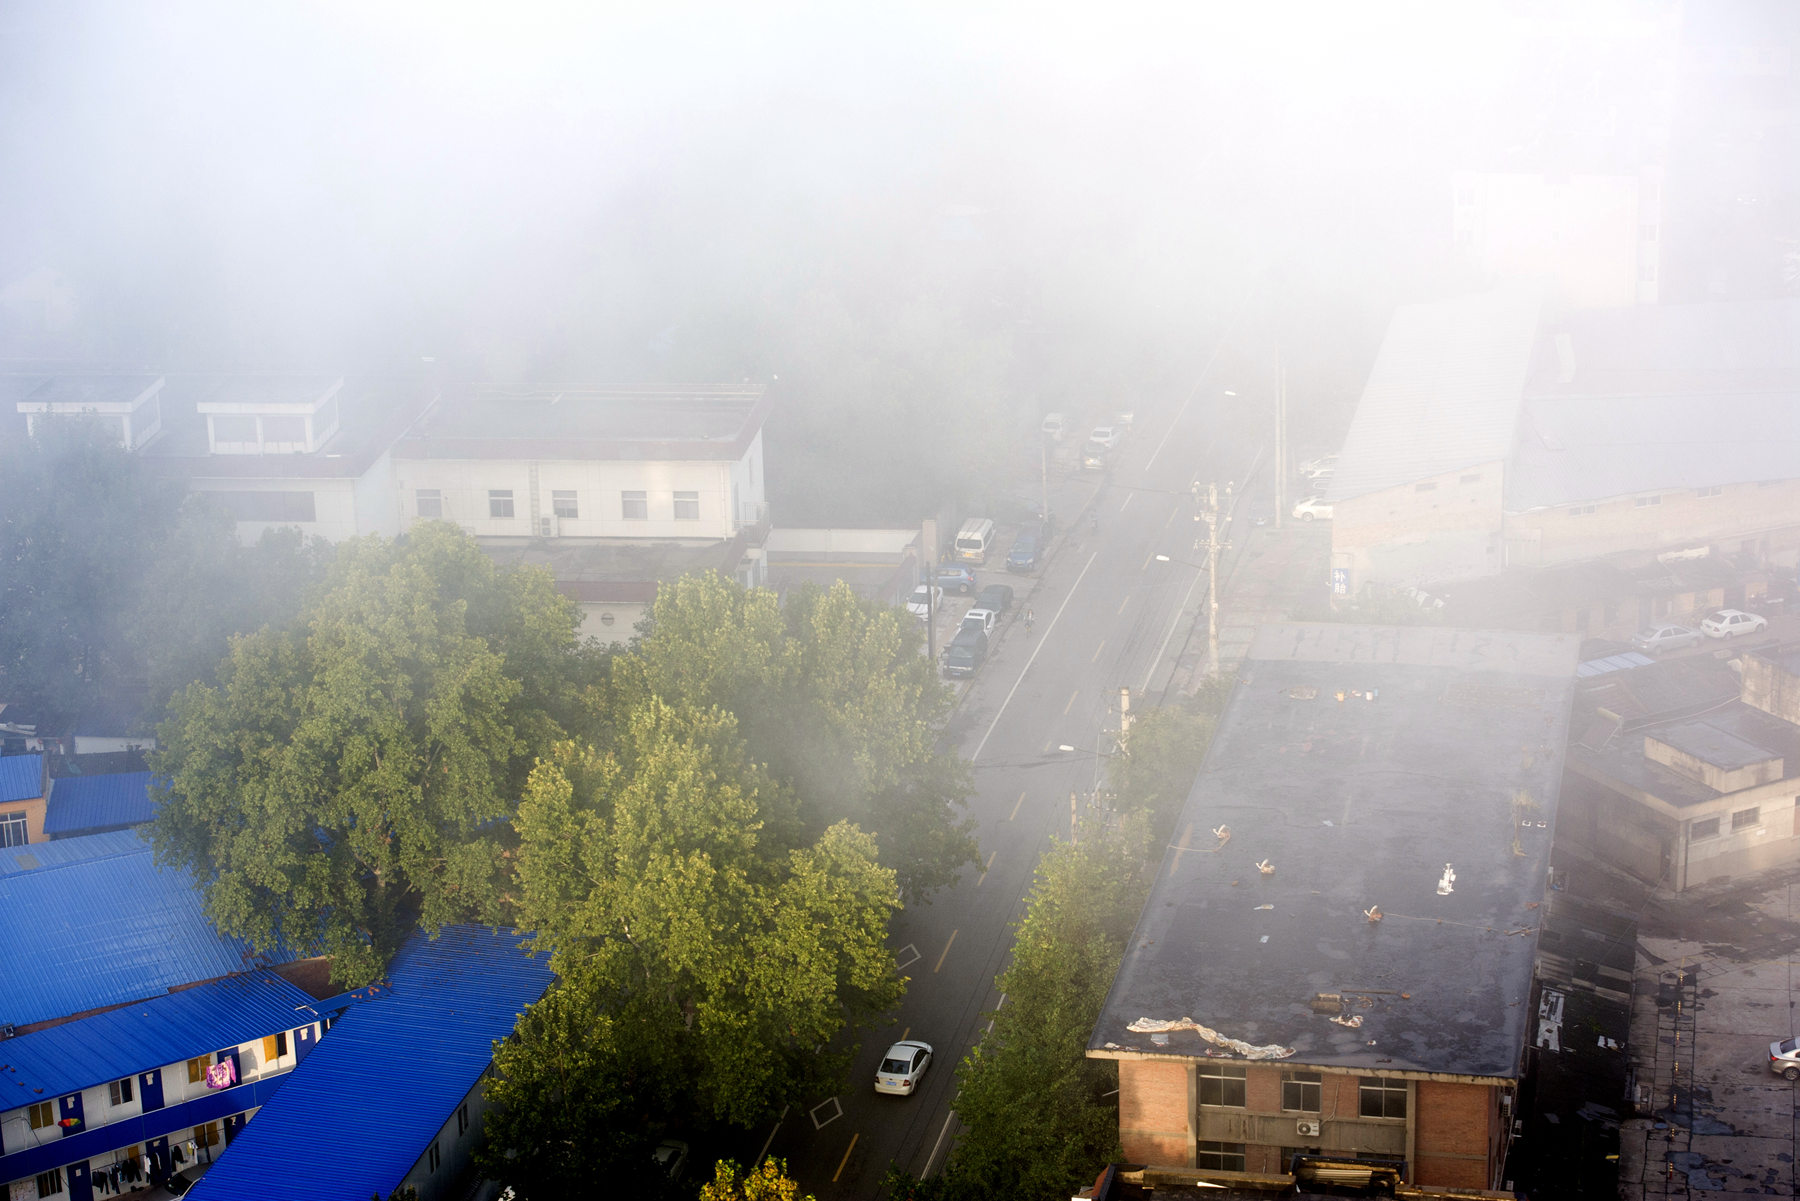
{"x": 1313, "y": 508}
{"x": 924, "y": 601}
{"x": 902, "y": 1066}
{"x": 1108, "y": 436}
{"x": 1729, "y": 623}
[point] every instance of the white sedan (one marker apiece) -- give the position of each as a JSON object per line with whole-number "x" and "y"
{"x": 1313, "y": 507}
{"x": 924, "y": 601}
{"x": 901, "y": 1068}
{"x": 1108, "y": 436}
{"x": 1729, "y": 623}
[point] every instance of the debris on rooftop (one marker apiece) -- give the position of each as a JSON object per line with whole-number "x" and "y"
{"x": 1265, "y": 867}
{"x": 1247, "y": 1050}
{"x": 1447, "y": 882}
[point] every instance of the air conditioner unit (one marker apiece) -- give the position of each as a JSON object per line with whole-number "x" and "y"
{"x": 1307, "y": 1127}
{"x": 547, "y": 527}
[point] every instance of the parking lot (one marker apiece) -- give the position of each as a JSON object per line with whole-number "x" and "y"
{"x": 1714, "y": 986}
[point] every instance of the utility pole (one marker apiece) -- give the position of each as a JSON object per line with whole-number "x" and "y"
{"x": 928, "y": 544}
{"x": 1280, "y": 441}
{"x": 1210, "y": 515}
{"x": 1124, "y": 719}
{"x": 1044, "y": 477}
{"x": 1074, "y": 836}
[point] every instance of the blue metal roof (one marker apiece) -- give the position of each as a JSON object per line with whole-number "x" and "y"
{"x": 21, "y": 777}
{"x": 87, "y": 933}
{"x": 414, "y": 1053}
{"x": 165, "y": 1029}
{"x": 66, "y": 850}
{"x": 82, "y": 803}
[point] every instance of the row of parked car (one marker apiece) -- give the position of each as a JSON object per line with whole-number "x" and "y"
{"x": 1721, "y": 623}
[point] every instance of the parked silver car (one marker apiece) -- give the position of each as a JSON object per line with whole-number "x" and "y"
{"x": 1666, "y": 637}
{"x": 1729, "y": 623}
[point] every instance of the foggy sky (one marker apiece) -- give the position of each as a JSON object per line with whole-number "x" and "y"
{"x": 571, "y": 189}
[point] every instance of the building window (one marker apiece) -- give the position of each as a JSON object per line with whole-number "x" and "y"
{"x": 500, "y": 502}
{"x": 462, "y": 1119}
{"x": 43, "y": 1115}
{"x": 562, "y": 503}
{"x": 430, "y": 503}
{"x": 432, "y": 1158}
{"x": 1219, "y": 1157}
{"x": 1300, "y": 1091}
{"x": 274, "y": 1047}
{"x": 634, "y": 506}
{"x": 1704, "y": 829}
{"x": 207, "y": 1135}
{"x": 50, "y": 1183}
{"x": 687, "y": 506}
{"x": 1377, "y": 1097}
{"x": 119, "y": 1091}
{"x": 1743, "y": 819}
{"x": 1645, "y": 502}
{"x": 234, "y": 430}
{"x": 13, "y": 832}
{"x": 1427, "y": 486}
{"x": 284, "y": 431}
{"x": 197, "y": 1070}
{"x": 1221, "y": 1085}
{"x": 1473, "y": 477}
{"x": 1715, "y": 490}
{"x": 1581, "y": 510}
{"x": 267, "y": 506}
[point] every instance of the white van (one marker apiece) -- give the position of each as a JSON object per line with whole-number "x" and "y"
{"x": 974, "y": 539}
{"x": 1054, "y": 425}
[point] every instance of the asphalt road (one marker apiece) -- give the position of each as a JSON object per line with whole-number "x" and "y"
{"x": 1107, "y": 615}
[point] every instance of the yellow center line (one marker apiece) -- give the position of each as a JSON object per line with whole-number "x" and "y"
{"x": 904, "y": 1031}
{"x": 1097, "y": 651}
{"x": 846, "y": 1159}
{"x": 1071, "y": 703}
{"x": 1170, "y": 517}
{"x": 1175, "y": 859}
{"x": 989, "y": 866}
{"x": 1016, "y": 805}
{"x": 1123, "y": 603}
{"x": 1147, "y": 562}
{"x": 947, "y": 946}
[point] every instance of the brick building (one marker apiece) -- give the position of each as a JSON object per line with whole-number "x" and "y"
{"x": 1406, "y": 775}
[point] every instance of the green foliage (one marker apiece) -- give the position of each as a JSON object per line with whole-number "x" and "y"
{"x": 767, "y": 1181}
{"x": 351, "y": 776}
{"x": 1164, "y": 755}
{"x": 1039, "y": 1120}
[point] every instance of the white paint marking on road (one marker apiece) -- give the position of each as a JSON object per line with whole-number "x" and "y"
{"x": 946, "y": 954}
{"x": 1123, "y": 603}
{"x": 1148, "y": 559}
{"x": 1071, "y": 703}
{"x": 1173, "y": 626}
{"x": 1016, "y": 805}
{"x": 1034, "y": 654}
{"x": 1195, "y": 391}
{"x": 846, "y": 1159}
{"x": 990, "y": 862}
{"x": 837, "y": 1111}
{"x": 1126, "y": 501}
{"x": 939, "y": 1145}
{"x": 1167, "y": 521}
{"x": 763, "y": 1154}
{"x": 1095, "y": 657}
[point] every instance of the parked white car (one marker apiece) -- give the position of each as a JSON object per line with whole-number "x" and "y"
{"x": 980, "y": 619}
{"x": 1313, "y": 508}
{"x": 924, "y": 602}
{"x": 1323, "y": 465}
{"x": 1729, "y": 623}
{"x": 1108, "y": 436}
{"x": 1669, "y": 637}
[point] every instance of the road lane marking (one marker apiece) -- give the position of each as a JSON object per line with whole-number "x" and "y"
{"x": 1149, "y": 559}
{"x": 1034, "y": 654}
{"x": 1199, "y": 380}
{"x": 1016, "y": 805}
{"x": 1171, "y": 517}
{"x": 1095, "y": 657}
{"x": 778, "y": 1121}
{"x": 901, "y": 960}
{"x": 1122, "y": 605}
{"x": 939, "y": 1145}
{"x": 1175, "y": 859}
{"x": 846, "y": 1159}
{"x": 1126, "y": 501}
{"x": 904, "y": 1031}
{"x": 990, "y": 863}
{"x": 1071, "y": 703}
{"x": 946, "y": 954}
{"x": 837, "y": 1111}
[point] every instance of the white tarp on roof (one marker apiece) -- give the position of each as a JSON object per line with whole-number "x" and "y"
{"x": 1444, "y": 393}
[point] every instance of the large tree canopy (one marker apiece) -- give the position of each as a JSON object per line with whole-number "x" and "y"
{"x": 353, "y": 775}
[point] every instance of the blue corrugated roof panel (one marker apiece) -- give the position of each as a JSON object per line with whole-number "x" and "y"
{"x": 419, "y": 1049}
{"x": 165, "y": 1029}
{"x": 21, "y": 777}
{"x": 85, "y": 803}
{"x": 88, "y": 933}
{"x": 34, "y": 855}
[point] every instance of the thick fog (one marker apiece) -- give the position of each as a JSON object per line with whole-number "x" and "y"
{"x": 642, "y": 190}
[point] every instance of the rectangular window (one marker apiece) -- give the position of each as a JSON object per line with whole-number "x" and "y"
{"x": 1743, "y": 819}
{"x": 634, "y": 506}
{"x": 236, "y": 430}
{"x": 50, "y": 1183}
{"x": 267, "y": 506}
{"x": 1427, "y": 486}
{"x": 43, "y": 1115}
{"x": 1378, "y": 1097}
{"x": 462, "y": 1119}
{"x": 196, "y": 1070}
{"x": 429, "y": 503}
{"x": 207, "y": 1135}
{"x": 1220, "y": 1157}
{"x": 432, "y": 1157}
{"x": 284, "y": 431}
{"x": 1581, "y": 510}
{"x": 1709, "y": 828}
{"x": 562, "y": 503}
{"x": 13, "y": 831}
{"x": 119, "y": 1091}
{"x": 1221, "y": 1084}
{"x": 500, "y": 502}
{"x": 274, "y": 1047}
{"x": 1715, "y": 490}
{"x": 687, "y": 506}
{"x": 1645, "y": 502}
{"x": 1473, "y": 477}
{"x": 1300, "y": 1091}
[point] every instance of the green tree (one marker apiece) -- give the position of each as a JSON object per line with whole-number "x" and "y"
{"x": 706, "y": 952}
{"x": 1166, "y": 748}
{"x": 352, "y": 776}
{"x": 767, "y": 1181}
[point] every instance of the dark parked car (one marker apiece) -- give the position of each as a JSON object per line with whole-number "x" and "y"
{"x": 1025, "y": 549}
{"x": 956, "y": 579}
{"x": 997, "y": 597}
{"x": 966, "y": 653}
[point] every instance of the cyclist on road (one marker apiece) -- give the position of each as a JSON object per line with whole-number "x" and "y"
{"x": 1028, "y": 621}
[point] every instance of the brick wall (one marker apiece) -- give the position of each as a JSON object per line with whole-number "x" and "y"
{"x": 1156, "y": 1112}
{"x": 1442, "y": 527}
{"x": 1454, "y": 1134}
{"x": 1742, "y": 517}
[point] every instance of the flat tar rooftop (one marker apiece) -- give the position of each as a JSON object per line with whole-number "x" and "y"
{"x": 1444, "y": 751}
